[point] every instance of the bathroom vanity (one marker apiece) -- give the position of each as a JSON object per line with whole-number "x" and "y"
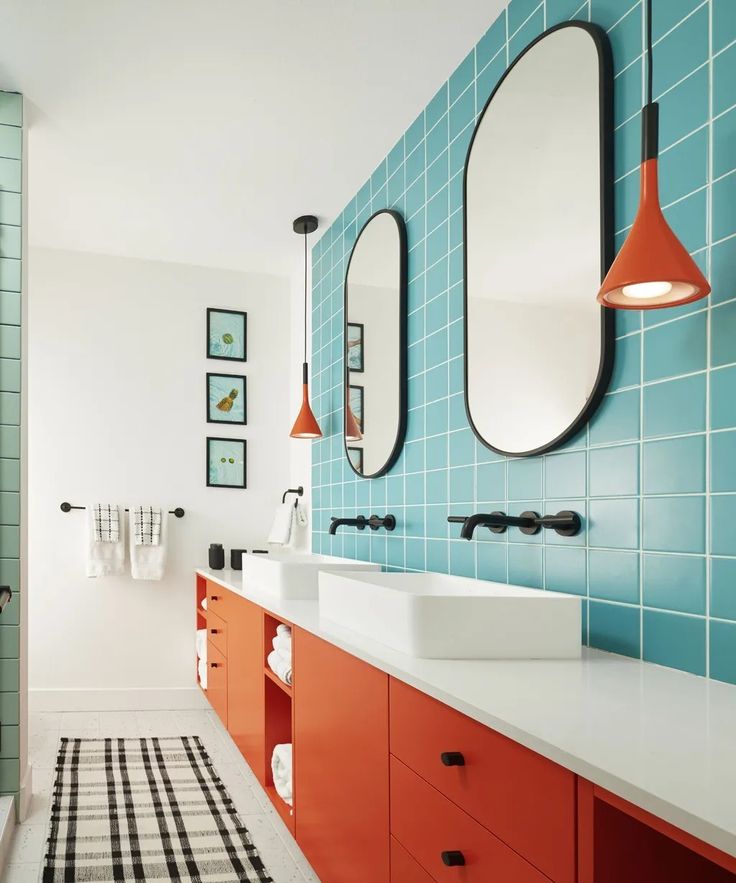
{"x": 408, "y": 770}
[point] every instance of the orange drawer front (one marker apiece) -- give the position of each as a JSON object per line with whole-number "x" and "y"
{"x": 446, "y": 841}
{"x": 523, "y": 798}
{"x": 216, "y": 599}
{"x": 404, "y": 869}
{"x": 217, "y": 680}
{"x": 217, "y": 632}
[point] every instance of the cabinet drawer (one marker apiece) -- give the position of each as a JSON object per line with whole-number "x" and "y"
{"x": 404, "y": 869}
{"x": 523, "y": 798}
{"x": 216, "y": 599}
{"x": 217, "y": 681}
{"x": 429, "y": 825}
{"x": 217, "y": 632}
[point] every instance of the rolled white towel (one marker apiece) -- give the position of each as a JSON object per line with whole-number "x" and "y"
{"x": 202, "y": 672}
{"x": 279, "y": 666}
{"x": 282, "y": 644}
{"x": 281, "y": 770}
{"x": 201, "y": 643}
{"x": 204, "y": 603}
{"x": 283, "y": 629}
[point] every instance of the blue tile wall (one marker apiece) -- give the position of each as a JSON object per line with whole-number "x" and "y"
{"x": 654, "y": 472}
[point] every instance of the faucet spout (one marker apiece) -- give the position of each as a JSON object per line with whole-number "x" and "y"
{"x": 497, "y": 522}
{"x": 360, "y": 522}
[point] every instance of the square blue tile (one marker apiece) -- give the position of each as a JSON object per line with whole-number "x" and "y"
{"x": 564, "y": 475}
{"x": 614, "y": 471}
{"x": 624, "y": 25}
{"x": 614, "y": 627}
{"x": 724, "y": 80}
{"x": 723, "y": 524}
{"x": 676, "y": 348}
{"x": 613, "y": 576}
{"x": 724, "y": 23}
{"x": 491, "y": 481}
{"x": 723, "y": 651}
{"x": 680, "y": 52}
{"x": 674, "y": 524}
{"x": 674, "y": 582}
{"x": 564, "y": 10}
{"x": 525, "y": 565}
{"x": 723, "y": 398}
{"x": 724, "y": 210}
{"x": 723, "y": 259}
{"x": 492, "y": 563}
{"x": 617, "y": 418}
{"x": 565, "y": 570}
{"x": 614, "y": 524}
{"x": 525, "y": 479}
{"x": 462, "y": 484}
{"x": 724, "y": 134}
{"x": 723, "y": 334}
{"x": 438, "y": 556}
{"x": 436, "y": 486}
{"x": 675, "y": 406}
{"x": 674, "y": 466}
{"x": 723, "y": 462}
{"x": 674, "y": 640}
{"x": 684, "y": 108}
{"x": 723, "y": 588}
{"x": 627, "y": 363}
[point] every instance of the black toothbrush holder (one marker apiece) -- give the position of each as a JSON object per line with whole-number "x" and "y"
{"x": 217, "y": 556}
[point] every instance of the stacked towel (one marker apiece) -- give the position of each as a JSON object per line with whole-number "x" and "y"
{"x": 281, "y": 770}
{"x": 201, "y": 644}
{"x": 105, "y": 540}
{"x": 282, "y": 525}
{"x": 279, "y": 659}
{"x": 148, "y": 559}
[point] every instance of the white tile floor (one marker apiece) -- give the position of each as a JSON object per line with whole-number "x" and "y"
{"x": 279, "y": 851}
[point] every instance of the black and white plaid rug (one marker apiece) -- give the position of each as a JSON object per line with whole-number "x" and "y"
{"x": 145, "y": 809}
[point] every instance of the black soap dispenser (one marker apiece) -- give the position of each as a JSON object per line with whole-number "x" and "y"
{"x": 217, "y": 556}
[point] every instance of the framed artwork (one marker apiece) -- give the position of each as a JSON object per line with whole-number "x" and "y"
{"x": 226, "y": 335}
{"x": 356, "y": 458}
{"x": 226, "y": 461}
{"x": 356, "y": 405}
{"x": 226, "y": 398}
{"x": 354, "y": 346}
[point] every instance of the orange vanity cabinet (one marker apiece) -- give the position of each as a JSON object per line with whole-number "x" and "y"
{"x": 341, "y": 760}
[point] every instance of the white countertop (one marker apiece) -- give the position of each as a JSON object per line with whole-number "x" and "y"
{"x": 662, "y": 739}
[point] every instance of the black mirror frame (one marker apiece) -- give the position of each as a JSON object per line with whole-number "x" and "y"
{"x": 402, "y": 379}
{"x": 608, "y": 324}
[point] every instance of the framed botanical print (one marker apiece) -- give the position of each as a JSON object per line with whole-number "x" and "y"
{"x": 227, "y": 335}
{"x": 354, "y": 347}
{"x": 226, "y": 398}
{"x": 226, "y": 462}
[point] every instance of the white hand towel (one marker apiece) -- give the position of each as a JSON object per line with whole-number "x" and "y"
{"x": 104, "y": 558}
{"x": 283, "y": 629}
{"x": 279, "y": 666}
{"x": 204, "y": 603}
{"x": 148, "y": 562}
{"x": 201, "y": 643}
{"x": 282, "y": 645}
{"x": 281, "y": 770}
{"x": 282, "y": 523}
{"x": 202, "y": 672}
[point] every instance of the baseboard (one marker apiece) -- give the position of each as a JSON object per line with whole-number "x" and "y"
{"x": 7, "y": 830}
{"x": 135, "y": 699}
{"x": 23, "y": 803}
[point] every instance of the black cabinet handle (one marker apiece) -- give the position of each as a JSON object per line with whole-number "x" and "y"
{"x": 453, "y": 858}
{"x": 215, "y": 665}
{"x": 452, "y": 758}
{"x": 214, "y": 631}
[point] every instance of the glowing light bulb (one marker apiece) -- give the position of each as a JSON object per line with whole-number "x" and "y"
{"x": 644, "y": 290}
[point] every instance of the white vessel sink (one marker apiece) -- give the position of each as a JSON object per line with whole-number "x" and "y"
{"x": 293, "y": 575}
{"x": 450, "y": 617}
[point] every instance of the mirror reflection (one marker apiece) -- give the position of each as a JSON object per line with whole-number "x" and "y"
{"x": 538, "y": 227}
{"x": 375, "y": 346}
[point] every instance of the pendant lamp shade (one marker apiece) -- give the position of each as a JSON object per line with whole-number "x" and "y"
{"x": 653, "y": 269}
{"x": 352, "y": 430}
{"x": 305, "y": 425}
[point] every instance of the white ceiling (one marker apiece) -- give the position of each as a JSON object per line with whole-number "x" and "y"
{"x": 191, "y": 131}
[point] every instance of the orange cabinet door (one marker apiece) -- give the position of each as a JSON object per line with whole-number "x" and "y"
{"x": 523, "y": 798}
{"x": 404, "y": 869}
{"x": 245, "y": 689}
{"x": 447, "y": 842}
{"x": 341, "y": 798}
{"x": 217, "y": 681}
{"x": 217, "y": 632}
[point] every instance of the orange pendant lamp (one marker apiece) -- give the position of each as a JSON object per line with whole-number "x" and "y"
{"x": 653, "y": 270}
{"x": 305, "y": 425}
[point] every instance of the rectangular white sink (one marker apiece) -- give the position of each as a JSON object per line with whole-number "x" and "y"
{"x": 293, "y": 575}
{"x": 435, "y": 616}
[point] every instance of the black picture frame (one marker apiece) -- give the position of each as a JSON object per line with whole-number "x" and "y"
{"x": 220, "y": 357}
{"x": 236, "y": 441}
{"x": 357, "y": 466}
{"x": 361, "y": 326}
{"x": 359, "y": 418}
{"x": 607, "y": 233}
{"x": 402, "y": 342}
{"x": 233, "y": 377}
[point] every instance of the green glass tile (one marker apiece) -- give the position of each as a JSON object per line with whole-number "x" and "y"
{"x": 674, "y": 640}
{"x": 9, "y": 375}
{"x": 9, "y": 775}
{"x": 9, "y": 475}
{"x": 9, "y": 541}
{"x": 10, "y": 241}
{"x": 10, "y": 573}
{"x": 9, "y": 508}
{"x": 674, "y": 582}
{"x": 10, "y": 274}
{"x": 11, "y": 108}
{"x": 10, "y": 175}
{"x": 11, "y": 142}
{"x": 9, "y": 442}
{"x": 10, "y": 208}
{"x": 723, "y": 651}
{"x": 10, "y": 408}
{"x": 10, "y": 342}
{"x": 9, "y": 679}
{"x": 10, "y": 308}
{"x": 9, "y": 702}
{"x": 10, "y": 746}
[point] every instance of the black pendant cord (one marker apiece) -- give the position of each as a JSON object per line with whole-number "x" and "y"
{"x": 650, "y": 113}
{"x": 305, "y": 297}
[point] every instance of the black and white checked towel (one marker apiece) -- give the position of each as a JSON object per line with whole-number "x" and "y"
{"x": 107, "y": 523}
{"x": 147, "y": 525}
{"x": 145, "y": 809}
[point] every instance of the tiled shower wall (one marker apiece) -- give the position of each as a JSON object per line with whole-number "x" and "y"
{"x": 11, "y": 120}
{"x": 654, "y": 473}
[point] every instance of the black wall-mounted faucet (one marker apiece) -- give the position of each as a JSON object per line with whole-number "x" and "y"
{"x": 361, "y": 522}
{"x": 565, "y": 523}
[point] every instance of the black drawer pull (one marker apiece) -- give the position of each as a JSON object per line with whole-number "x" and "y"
{"x": 452, "y": 758}
{"x": 214, "y": 631}
{"x": 215, "y": 665}
{"x": 453, "y": 858}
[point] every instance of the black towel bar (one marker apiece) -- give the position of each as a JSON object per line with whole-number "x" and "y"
{"x": 67, "y": 507}
{"x": 299, "y": 491}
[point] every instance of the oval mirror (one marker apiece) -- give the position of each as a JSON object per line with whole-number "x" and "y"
{"x": 375, "y": 346}
{"x": 538, "y": 241}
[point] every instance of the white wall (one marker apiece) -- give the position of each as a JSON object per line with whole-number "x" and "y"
{"x": 117, "y": 412}
{"x": 300, "y": 450}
